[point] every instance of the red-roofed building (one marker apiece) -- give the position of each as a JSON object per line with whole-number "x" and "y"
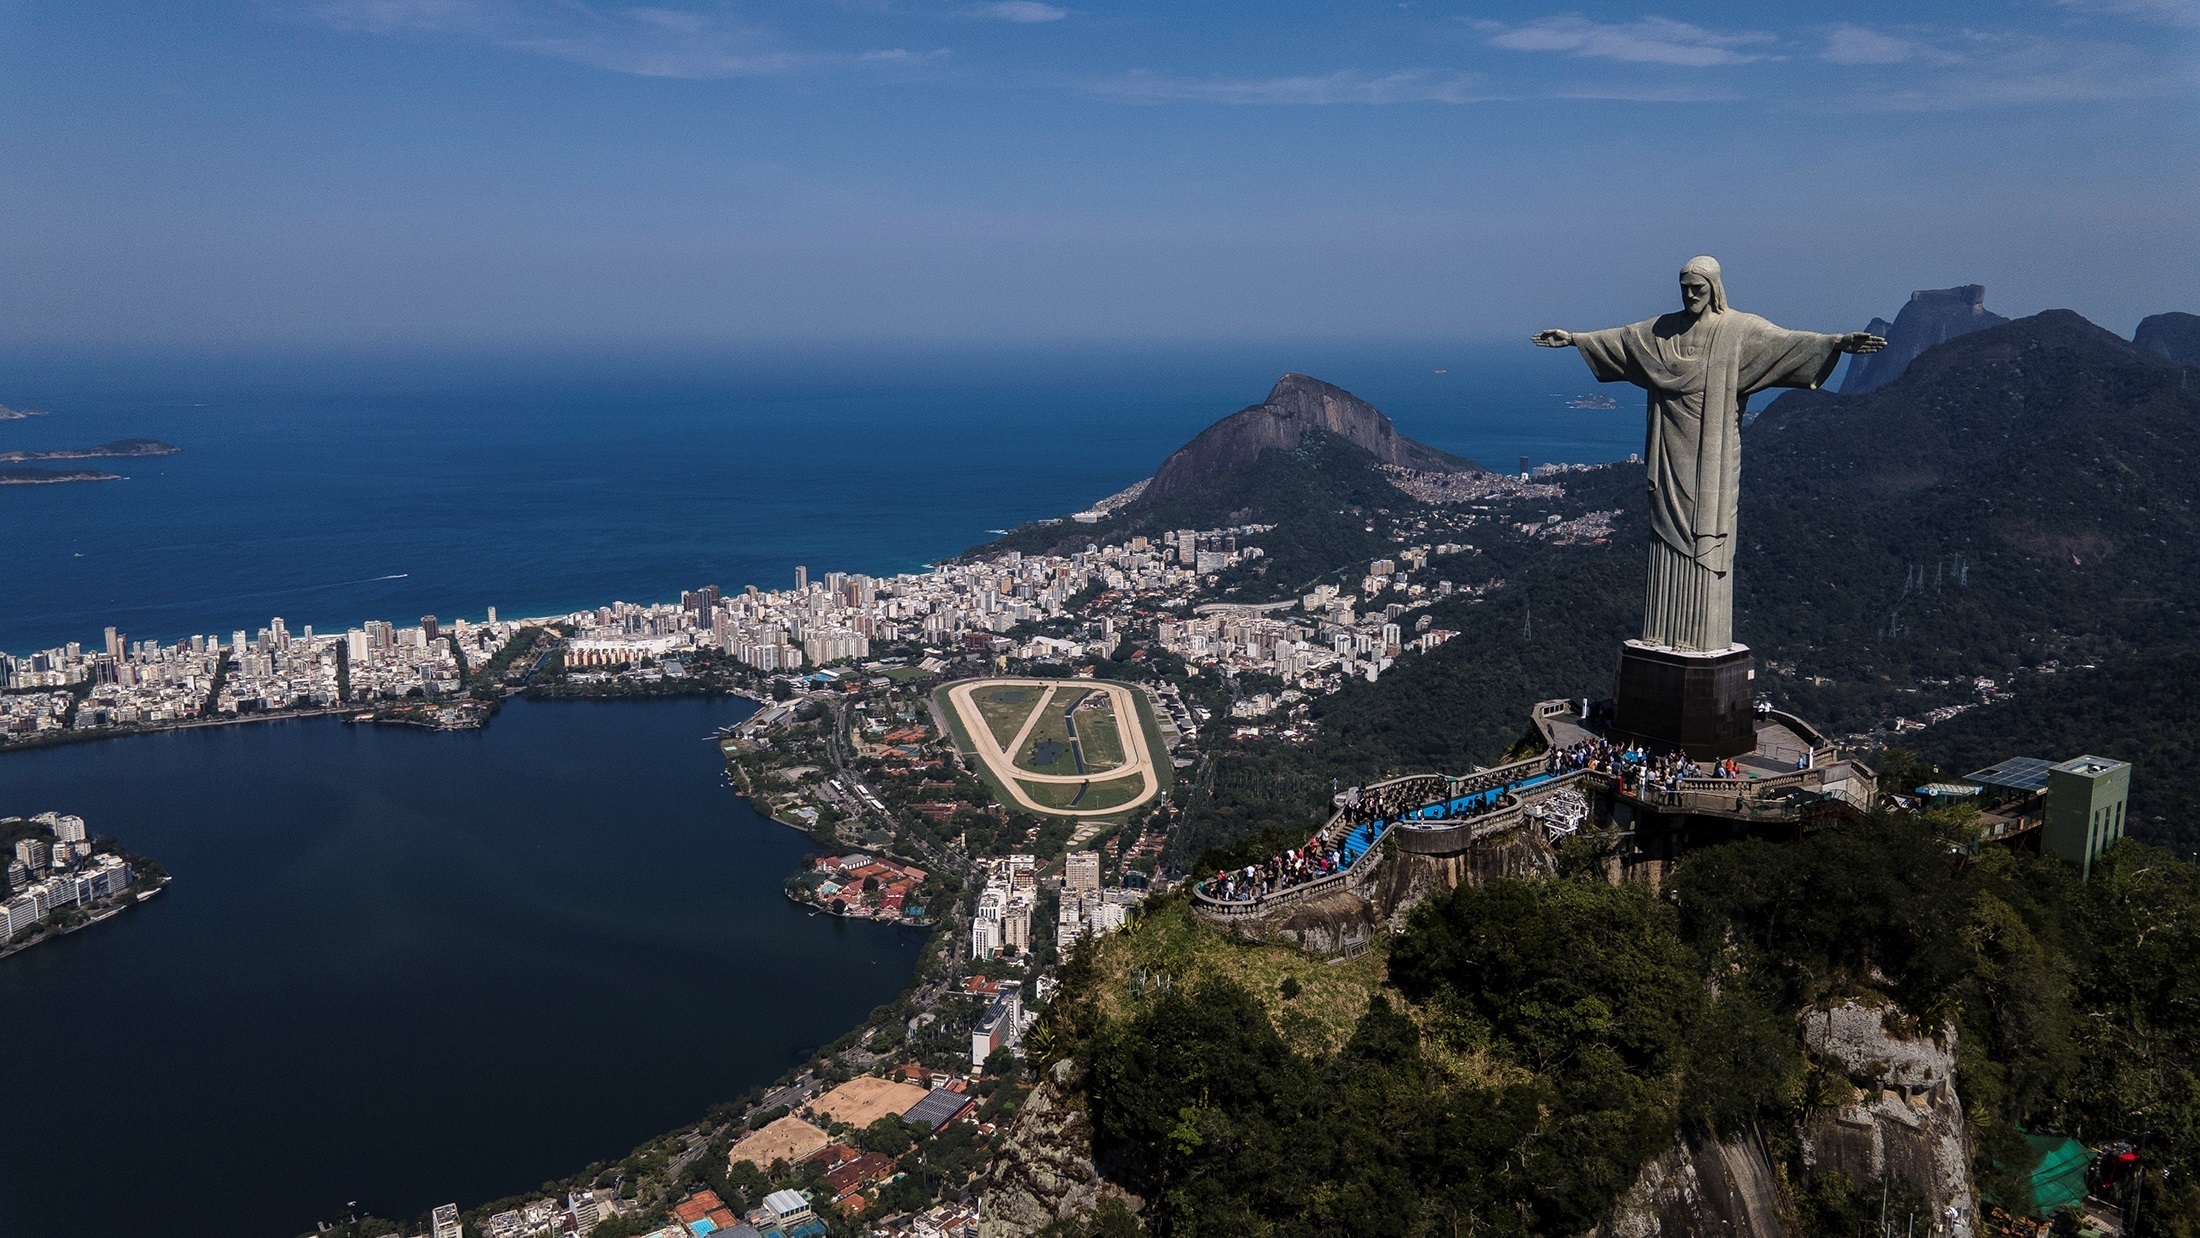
{"x": 697, "y": 1206}
{"x": 833, "y": 1155}
{"x": 858, "y": 1175}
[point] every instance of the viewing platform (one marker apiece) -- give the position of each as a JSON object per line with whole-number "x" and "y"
{"x": 1584, "y": 780}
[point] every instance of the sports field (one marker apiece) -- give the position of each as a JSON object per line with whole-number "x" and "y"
{"x": 1075, "y": 748}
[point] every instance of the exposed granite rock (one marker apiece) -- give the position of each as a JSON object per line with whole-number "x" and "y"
{"x": 1296, "y": 406}
{"x": 2173, "y": 337}
{"x": 1907, "y": 1121}
{"x": 1044, "y": 1172}
{"x": 1933, "y": 316}
{"x": 1701, "y": 1186}
{"x": 1382, "y": 901}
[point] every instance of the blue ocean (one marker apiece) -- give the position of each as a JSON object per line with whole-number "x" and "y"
{"x": 403, "y": 968}
{"x": 333, "y": 489}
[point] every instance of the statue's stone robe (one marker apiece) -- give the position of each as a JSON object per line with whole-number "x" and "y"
{"x": 1700, "y": 371}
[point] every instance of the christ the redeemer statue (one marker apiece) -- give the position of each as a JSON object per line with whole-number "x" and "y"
{"x": 1686, "y": 681}
{"x": 1701, "y": 364}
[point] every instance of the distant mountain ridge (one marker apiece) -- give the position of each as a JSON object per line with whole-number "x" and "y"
{"x": 2174, "y": 337}
{"x": 1296, "y": 407}
{"x": 1932, "y": 316}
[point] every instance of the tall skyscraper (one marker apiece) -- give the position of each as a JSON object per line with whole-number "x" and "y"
{"x": 801, "y": 578}
{"x": 492, "y": 614}
{"x": 114, "y": 643}
{"x": 428, "y": 627}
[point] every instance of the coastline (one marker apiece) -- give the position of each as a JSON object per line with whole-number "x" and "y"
{"x": 106, "y": 912}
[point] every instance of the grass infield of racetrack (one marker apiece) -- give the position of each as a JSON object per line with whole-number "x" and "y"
{"x": 1103, "y": 743}
{"x": 1005, "y": 710}
{"x": 1097, "y": 795}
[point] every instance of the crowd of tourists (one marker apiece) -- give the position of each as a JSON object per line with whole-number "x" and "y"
{"x": 1637, "y": 767}
{"x": 1277, "y": 873}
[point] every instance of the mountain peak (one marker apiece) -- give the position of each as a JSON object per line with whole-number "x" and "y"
{"x": 1296, "y": 406}
{"x": 1932, "y": 316}
{"x": 2174, "y": 337}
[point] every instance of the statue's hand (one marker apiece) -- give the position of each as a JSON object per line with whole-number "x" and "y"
{"x": 1563, "y": 339}
{"x": 1861, "y": 341}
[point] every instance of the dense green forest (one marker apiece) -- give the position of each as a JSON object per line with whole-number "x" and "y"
{"x": 2145, "y": 710}
{"x": 1537, "y": 1041}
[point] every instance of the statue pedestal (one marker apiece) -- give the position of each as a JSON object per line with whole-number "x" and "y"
{"x": 1701, "y": 703}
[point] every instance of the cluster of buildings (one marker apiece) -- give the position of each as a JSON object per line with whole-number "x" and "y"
{"x": 1441, "y": 488}
{"x": 783, "y": 1214}
{"x": 865, "y": 887}
{"x": 127, "y": 684}
{"x": 577, "y": 1213}
{"x": 53, "y": 869}
{"x": 1587, "y": 527}
{"x": 838, "y": 617}
{"x": 1088, "y": 909}
{"x": 1002, "y": 924}
{"x": 1334, "y": 636}
{"x": 850, "y": 1176}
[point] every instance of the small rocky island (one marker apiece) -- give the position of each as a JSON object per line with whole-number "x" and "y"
{"x": 30, "y": 476}
{"x": 24, "y": 473}
{"x": 121, "y": 448}
{"x": 57, "y": 879}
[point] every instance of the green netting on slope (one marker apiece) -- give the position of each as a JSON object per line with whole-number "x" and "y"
{"x": 2059, "y": 1182}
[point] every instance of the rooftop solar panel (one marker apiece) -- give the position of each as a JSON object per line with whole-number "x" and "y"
{"x": 936, "y": 1108}
{"x": 2016, "y": 773}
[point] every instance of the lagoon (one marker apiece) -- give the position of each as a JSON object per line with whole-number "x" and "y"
{"x": 404, "y": 967}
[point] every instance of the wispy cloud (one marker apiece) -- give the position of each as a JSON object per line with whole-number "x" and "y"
{"x": 1987, "y": 69}
{"x": 1020, "y": 11}
{"x": 648, "y": 41}
{"x": 1648, "y": 40}
{"x": 1846, "y": 44}
{"x": 2159, "y": 12}
{"x": 1406, "y": 86}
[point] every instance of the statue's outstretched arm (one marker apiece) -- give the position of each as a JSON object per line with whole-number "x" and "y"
{"x": 1555, "y": 338}
{"x": 1861, "y": 341}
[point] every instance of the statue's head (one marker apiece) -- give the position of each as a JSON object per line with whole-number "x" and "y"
{"x": 1701, "y": 288}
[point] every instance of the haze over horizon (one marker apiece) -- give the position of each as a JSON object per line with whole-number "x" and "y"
{"x": 533, "y": 173}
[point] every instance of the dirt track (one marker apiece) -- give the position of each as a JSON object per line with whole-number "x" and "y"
{"x": 1138, "y": 760}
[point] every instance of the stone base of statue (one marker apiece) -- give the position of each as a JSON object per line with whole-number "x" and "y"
{"x": 1702, "y": 703}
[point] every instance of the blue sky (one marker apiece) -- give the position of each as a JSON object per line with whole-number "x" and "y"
{"x": 709, "y": 172}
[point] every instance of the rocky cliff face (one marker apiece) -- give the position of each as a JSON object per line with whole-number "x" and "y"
{"x": 1701, "y": 1185}
{"x": 1296, "y": 406}
{"x": 1044, "y": 1172}
{"x": 1933, "y": 316}
{"x": 1905, "y": 1120}
{"x": 2172, "y": 337}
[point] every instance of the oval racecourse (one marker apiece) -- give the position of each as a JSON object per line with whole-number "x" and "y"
{"x": 1059, "y": 747}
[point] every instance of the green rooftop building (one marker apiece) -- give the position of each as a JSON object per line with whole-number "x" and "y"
{"x": 2085, "y": 809}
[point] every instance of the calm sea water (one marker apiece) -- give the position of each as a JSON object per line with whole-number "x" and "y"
{"x": 330, "y": 491}
{"x": 405, "y": 968}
